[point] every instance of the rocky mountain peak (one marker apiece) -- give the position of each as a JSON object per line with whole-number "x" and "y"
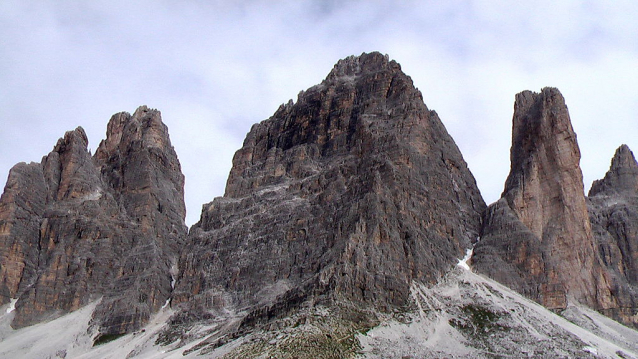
{"x": 366, "y": 63}
{"x": 537, "y": 238}
{"x": 543, "y": 144}
{"x": 68, "y": 169}
{"x": 77, "y": 227}
{"x": 346, "y": 208}
{"x": 613, "y": 213}
{"x": 340, "y": 196}
{"x": 332, "y": 119}
{"x": 145, "y": 125}
{"x": 77, "y": 136}
{"x": 622, "y": 176}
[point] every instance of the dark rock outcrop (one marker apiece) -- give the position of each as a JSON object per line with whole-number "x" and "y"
{"x": 76, "y": 228}
{"x": 537, "y": 238}
{"x": 349, "y": 194}
{"x": 613, "y": 212}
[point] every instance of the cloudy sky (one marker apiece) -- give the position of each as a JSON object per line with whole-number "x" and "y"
{"x": 214, "y": 68}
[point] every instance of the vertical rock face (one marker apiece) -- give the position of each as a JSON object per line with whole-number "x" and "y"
{"x": 21, "y": 208}
{"x": 350, "y": 193}
{"x": 75, "y": 228}
{"x": 613, "y": 211}
{"x": 537, "y": 238}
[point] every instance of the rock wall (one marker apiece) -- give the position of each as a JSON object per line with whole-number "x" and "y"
{"x": 350, "y": 194}
{"x": 76, "y": 228}
{"x": 613, "y": 212}
{"x": 537, "y": 238}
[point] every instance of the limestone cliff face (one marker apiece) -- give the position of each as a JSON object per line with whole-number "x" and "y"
{"x": 76, "y": 228}
{"x": 537, "y": 238}
{"x": 613, "y": 211}
{"x": 351, "y": 193}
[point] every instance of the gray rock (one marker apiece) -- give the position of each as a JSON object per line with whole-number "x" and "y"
{"x": 349, "y": 194}
{"x": 537, "y": 239}
{"x": 613, "y": 212}
{"x": 622, "y": 177}
{"x": 77, "y": 228}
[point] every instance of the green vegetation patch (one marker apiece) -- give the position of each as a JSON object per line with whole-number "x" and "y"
{"x": 317, "y": 334}
{"x": 478, "y": 320}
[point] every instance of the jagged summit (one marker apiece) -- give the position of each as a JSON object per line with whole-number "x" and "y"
{"x": 622, "y": 176}
{"x": 351, "y": 66}
{"x": 542, "y": 138}
{"x": 613, "y": 213}
{"x": 349, "y": 194}
{"x": 543, "y": 238}
{"x": 76, "y": 227}
{"x": 328, "y": 118}
{"x": 345, "y": 210}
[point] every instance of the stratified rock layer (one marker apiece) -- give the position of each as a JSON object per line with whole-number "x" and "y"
{"x": 351, "y": 193}
{"x": 537, "y": 238}
{"x": 613, "y": 211}
{"x": 77, "y": 228}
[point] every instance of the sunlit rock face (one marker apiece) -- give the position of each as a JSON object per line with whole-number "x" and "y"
{"x": 348, "y": 194}
{"x": 537, "y": 238}
{"x": 613, "y": 211}
{"x": 76, "y": 228}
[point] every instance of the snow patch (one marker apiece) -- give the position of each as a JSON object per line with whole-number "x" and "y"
{"x": 463, "y": 262}
{"x": 12, "y": 305}
{"x": 67, "y": 336}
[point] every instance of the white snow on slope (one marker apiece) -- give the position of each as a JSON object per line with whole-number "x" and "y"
{"x": 12, "y": 305}
{"x": 463, "y": 262}
{"x": 69, "y": 337}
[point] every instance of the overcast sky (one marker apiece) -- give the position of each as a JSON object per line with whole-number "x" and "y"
{"x": 214, "y": 68}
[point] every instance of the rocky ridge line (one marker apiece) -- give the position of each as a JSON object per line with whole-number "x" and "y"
{"x": 346, "y": 199}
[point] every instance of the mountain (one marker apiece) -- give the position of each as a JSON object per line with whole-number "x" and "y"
{"x": 348, "y": 195}
{"x": 537, "y": 238}
{"x": 544, "y": 238}
{"x": 76, "y": 227}
{"x": 340, "y": 235}
{"x": 613, "y": 213}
